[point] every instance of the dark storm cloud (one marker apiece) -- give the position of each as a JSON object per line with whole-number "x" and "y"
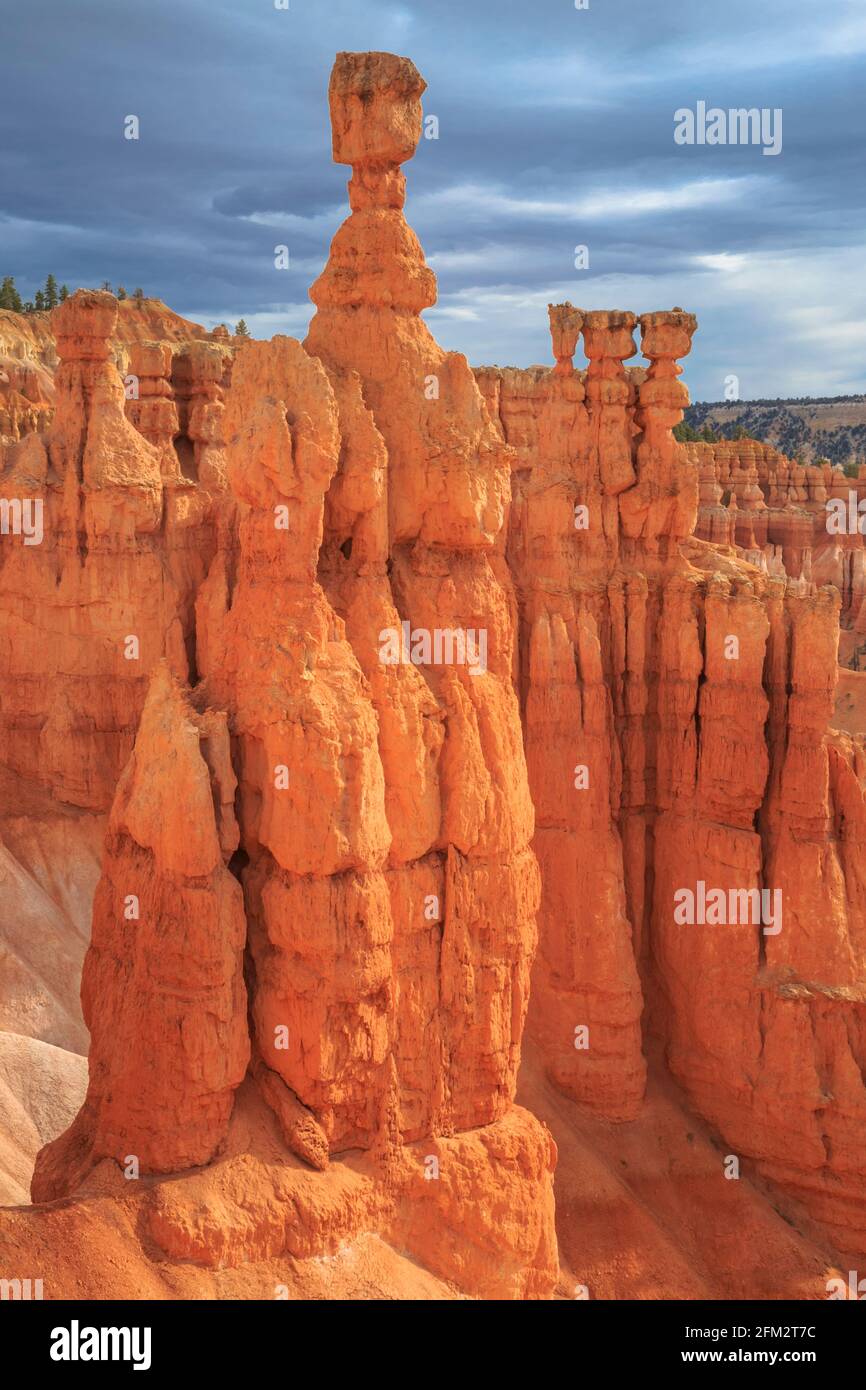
{"x": 556, "y": 129}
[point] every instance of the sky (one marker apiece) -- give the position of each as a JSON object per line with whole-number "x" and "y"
{"x": 556, "y": 130}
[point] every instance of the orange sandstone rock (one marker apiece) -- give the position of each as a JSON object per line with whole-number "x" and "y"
{"x": 467, "y": 680}
{"x": 714, "y": 765}
{"x": 162, "y": 988}
{"x": 107, "y": 589}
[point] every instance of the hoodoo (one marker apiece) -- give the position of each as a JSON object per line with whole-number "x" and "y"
{"x": 349, "y": 884}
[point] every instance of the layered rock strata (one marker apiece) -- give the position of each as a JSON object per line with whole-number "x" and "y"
{"x": 162, "y": 987}
{"x": 356, "y": 630}
{"x": 800, "y": 520}
{"x": 443, "y": 629}
{"x": 707, "y": 757}
{"x": 105, "y": 550}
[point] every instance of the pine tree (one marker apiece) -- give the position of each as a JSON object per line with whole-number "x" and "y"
{"x": 28, "y": 306}
{"x": 64, "y": 293}
{"x": 106, "y": 285}
{"x": 50, "y": 292}
{"x": 138, "y": 294}
{"x": 121, "y": 292}
{"x": 241, "y": 330}
{"x": 39, "y": 301}
{"x": 9, "y": 296}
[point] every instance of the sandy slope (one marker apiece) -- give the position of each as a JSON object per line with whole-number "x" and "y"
{"x": 41, "y": 1088}
{"x": 644, "y": 1211}
{"x": 49, "y": 864}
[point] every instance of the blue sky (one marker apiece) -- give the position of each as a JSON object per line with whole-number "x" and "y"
{"x": 555, "y": 130}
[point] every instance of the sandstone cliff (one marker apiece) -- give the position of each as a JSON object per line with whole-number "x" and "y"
{"x": 436, "y": 704}
{"x": 802, "y": 520}
{"x": 701, "y": 691}
{"x": 383, "y": 809}
{"x": 29, "y": 359}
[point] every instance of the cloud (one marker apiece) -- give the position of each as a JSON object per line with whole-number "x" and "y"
{"x": 292, "y": 319}
{"x": 481, "y": 202}
{"x": 316, "y": 225}
{"x": 731, "y": 297}
{"x": 556, "y": 128}
{"x": 723, "y": 261}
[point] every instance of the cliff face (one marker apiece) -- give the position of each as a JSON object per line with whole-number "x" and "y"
{"x": 794, "y": 519}
{"x": 299, "y": 519}
{"x": 29, "y": 358}
{"x": 691, "y": 692}
{"x": 96, "y": 595}
{"x": 437, "y": 712}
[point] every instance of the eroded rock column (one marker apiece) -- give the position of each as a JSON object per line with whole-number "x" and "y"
{"x": 162, "y": 987}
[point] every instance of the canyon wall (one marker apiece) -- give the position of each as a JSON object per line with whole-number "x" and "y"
{"x": 105, "y": 589}
{"x": 29, "y": 357}
{"x": 690, "y": 691}
{"x": 794, "y": 519}
{"x": 416, "y": 697}
{"x": 294, "y": 517}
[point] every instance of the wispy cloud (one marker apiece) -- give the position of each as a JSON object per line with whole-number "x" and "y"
{"x": 556, "y": 129}
{"x": 479, "y": 201}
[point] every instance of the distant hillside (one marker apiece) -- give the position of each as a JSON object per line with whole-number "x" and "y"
{"x": 808, "y": 427}
{"x": 25, "y": 336}
{"x": 28, "y": 356}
